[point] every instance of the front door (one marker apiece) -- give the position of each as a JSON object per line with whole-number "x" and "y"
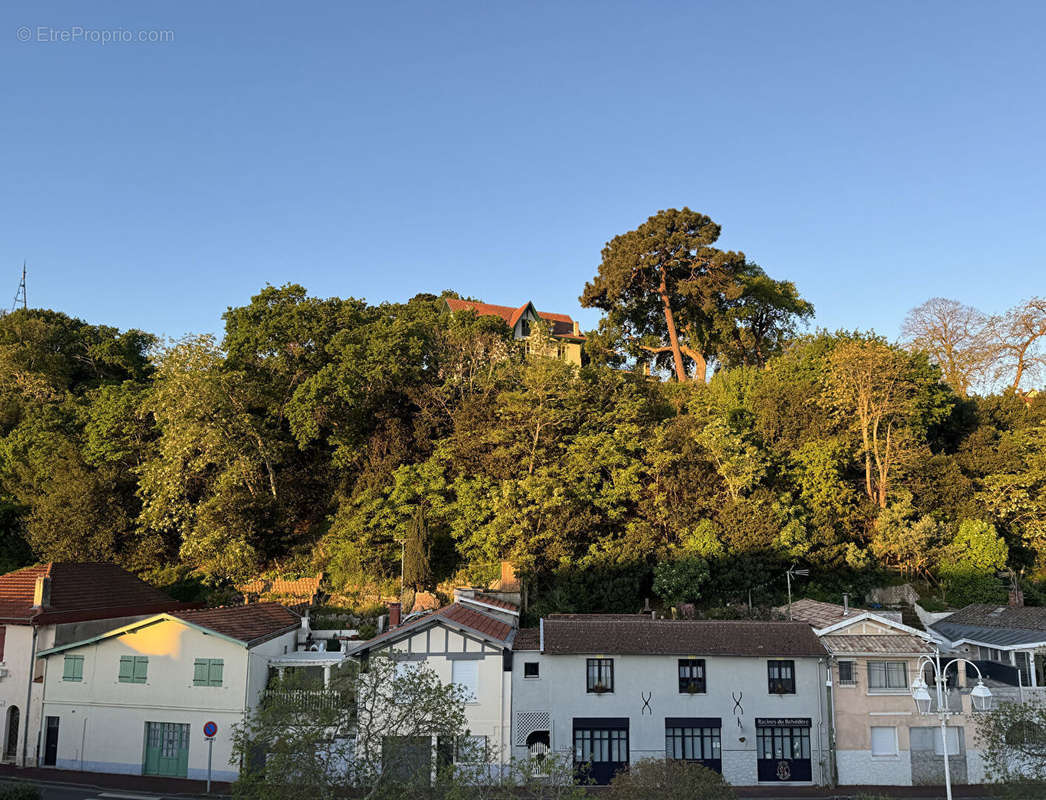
{"x": 51, "y": 742}
{"x": 167, "y": 749}
{"x": 11, "y": 746}
{"x": 600, "y": 749}
{"x": 783, "y": 752}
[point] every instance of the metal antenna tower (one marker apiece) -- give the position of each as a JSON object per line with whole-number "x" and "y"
{"x": 20, "y": 296}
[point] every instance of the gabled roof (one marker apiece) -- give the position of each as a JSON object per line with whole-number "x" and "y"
{"x": 821, "y": 615}
{"x": 79, "y": 591}
{"x": 562, "y": 324}
{"x": 456, "y": 616}
{"x": 878, "y": 644}
{"x": 643, "y": 636}
{"x": 248, "y": 625}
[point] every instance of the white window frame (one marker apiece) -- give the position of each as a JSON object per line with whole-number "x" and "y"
{"x": 871, "y": 741}
{"x": 872, "y": 689}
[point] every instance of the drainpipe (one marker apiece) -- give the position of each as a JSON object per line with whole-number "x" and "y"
{"x": 833, "y": 773}
{"x": 29, "y": 700}
{"x": 40, "y": 733}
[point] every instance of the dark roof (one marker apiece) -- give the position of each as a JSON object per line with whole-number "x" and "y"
{"x": 459, "y": 616}
{"x": 1001, "y": 626}
{"x": 79, "y": 591}
{"x": 527, "y": 639}
{"x": 249, "y": 624}
{"x": 1032, "y": 618}
{"x": 643, "y": 636}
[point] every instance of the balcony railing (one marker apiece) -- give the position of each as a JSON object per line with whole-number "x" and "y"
{"x": 309, "y": 699}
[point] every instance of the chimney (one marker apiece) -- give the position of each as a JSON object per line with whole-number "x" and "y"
{"x": 394, "y": 615}
{"x": 577, "y": 328}
{"x": 846, "y": 604}
{"x": 42, "y": 592}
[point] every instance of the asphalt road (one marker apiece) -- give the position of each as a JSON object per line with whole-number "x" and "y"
{"x": 50, "y": 792}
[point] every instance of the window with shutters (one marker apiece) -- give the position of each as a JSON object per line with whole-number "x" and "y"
{"x": 207, "y": 672}
{"x": 73, "y": 668}
{"x": 134, "y": 669}
{"x": 466, "y": 675}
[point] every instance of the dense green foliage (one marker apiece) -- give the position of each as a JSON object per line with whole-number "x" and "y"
{"x": 337, "y": 435}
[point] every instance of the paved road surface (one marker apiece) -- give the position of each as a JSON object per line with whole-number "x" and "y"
{"x": 51, "y": 792}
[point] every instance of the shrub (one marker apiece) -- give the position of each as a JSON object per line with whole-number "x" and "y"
{"x": 19, "y": 791}
{"x": 680, "y": 581}
{"x": 669, "y": 780}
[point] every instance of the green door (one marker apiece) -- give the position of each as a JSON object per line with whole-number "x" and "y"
{"x": 167, "y": 749}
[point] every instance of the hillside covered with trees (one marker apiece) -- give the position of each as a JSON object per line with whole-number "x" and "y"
{"x": 335, "y": 434}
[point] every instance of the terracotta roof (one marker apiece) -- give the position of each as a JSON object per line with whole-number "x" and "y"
{"x": 1031, "y": 618}
{"x": 680, "y": 637}
{"x": 79, "y": 591}
{"x": 283, "y": 587}
{"x": 497, "y": 602}
{"x": 527, "y": 639}
{"x": 562, "y": 324}
{"x": 250, "y": 623}
{"x": 818, "y": 614}
{"x": 471, "y": 618}
{"x": 900, "y": 644}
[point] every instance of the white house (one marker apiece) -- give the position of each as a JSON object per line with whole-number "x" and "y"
{"x": 135, "y": 699}
{"x": 49, "y": 605}
{"x": 468, "y": 643}
{"x": 745, "y": 698}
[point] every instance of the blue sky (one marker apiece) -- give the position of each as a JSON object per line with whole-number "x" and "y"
{"x": 874, "y": 153}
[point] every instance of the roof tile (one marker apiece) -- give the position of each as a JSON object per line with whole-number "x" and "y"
{"x": 248, "y": 623}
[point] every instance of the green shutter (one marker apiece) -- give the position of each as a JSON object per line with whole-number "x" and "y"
{"x": 73, "y": 668}
{"x": 141, "y": 668}
{"x": 126, "y": 669}
{"x": 215, "y": 678}
{"x": 199, "y": 672}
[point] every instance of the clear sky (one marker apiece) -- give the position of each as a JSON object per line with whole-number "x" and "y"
{"x": 874, "y": 153}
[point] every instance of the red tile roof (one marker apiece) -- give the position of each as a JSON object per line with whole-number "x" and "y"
{"x": 79, "y": 591}
{"x": 497, "y": 602}
{"x": 562, "y": 324}
{"x": 248, "y": 624}
{"x": 471, "y": 618}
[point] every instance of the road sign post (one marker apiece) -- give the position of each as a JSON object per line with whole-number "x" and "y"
{"x": 210, "y": 730}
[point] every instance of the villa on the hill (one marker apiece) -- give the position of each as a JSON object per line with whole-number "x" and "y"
{"x": 564, "y": 332}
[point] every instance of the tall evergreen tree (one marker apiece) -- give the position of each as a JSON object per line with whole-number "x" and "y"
{"x": 417, "y": 574}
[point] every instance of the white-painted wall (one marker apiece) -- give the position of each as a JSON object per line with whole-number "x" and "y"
{"x": 102, "y": 721}
{"x": 560, "y": 690}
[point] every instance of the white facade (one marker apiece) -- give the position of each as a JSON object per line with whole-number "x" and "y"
{"x": 646, "y": 693}
{"x": 455, "y": 653}
{"x": 19, "y": 666}
{"x": 94, "y": 719}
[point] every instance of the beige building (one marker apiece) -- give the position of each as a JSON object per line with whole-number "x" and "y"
{"x": 562, "y": 340}
{"x": 878, "y": 736}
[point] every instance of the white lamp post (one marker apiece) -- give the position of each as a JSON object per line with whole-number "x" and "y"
{"x": 980, "y": 696}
